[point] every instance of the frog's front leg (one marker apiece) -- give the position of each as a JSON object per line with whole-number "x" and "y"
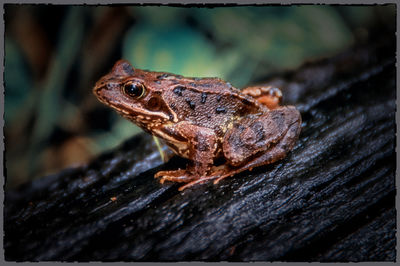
{"x": 266, "y": 95}
{"x": 199, "y": 145}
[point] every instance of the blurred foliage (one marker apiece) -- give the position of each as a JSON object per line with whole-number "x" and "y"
{"x": 20, "y": 81}
{"x": 279, "y": 37}
{"x": 55, "y": 54}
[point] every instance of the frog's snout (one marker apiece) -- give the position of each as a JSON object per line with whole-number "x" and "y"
{"x": 105, "y": 85}
{"x": 99, "y": 84}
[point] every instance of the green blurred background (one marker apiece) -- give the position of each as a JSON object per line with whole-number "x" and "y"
{"x": 55, "y": 54}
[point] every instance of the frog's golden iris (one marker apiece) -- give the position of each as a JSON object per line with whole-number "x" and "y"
{"x": 135, "y": 90}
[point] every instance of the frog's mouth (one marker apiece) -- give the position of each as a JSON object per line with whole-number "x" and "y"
{"x": 137, "y": 114}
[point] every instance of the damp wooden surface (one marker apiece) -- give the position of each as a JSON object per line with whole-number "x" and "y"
{"x": 331, "y": 199}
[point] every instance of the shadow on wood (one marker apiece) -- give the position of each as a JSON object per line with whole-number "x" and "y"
{"x": 331, "y": 199}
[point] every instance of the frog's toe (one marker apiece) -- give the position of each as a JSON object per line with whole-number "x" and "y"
{"x": 183, "y": 176}
{"x": 166, "y": 173}
{"x": 180, "y": 176}
{"x": 204, "y": 179}
{"x": 197, "y": 181}
{"x": 216, "y": 181}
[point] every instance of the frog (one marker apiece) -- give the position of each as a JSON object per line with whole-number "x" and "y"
{"x": 220, "y": 129}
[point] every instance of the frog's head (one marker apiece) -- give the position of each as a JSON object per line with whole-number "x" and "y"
{"x": 134, "y": 94}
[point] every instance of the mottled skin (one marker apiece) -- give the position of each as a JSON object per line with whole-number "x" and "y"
{"x": 203, "y": 119}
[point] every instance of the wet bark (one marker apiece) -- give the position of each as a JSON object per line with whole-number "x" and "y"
{"x": 331, "y": 199}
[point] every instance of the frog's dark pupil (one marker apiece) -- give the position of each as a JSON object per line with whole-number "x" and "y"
{"x": 133, "y": 89}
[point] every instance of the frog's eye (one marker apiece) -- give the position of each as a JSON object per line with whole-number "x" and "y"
{"x": 136, "y": 90}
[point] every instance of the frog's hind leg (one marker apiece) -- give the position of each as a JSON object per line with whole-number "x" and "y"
{"x": 275, "y": 152}
{"x": 268, "y": 96}
{"x": 224, "y": 171}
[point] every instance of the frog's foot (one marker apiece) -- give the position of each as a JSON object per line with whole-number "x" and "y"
{"x": 216, "y": 172}
{"x": 268, "y": 96}
{"x": 227, "y": 171}
{"x": 180, "y": 176}
{"x": 198, "y": 181}
{"x": 231, "y": 172}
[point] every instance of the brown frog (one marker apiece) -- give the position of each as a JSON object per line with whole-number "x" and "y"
{"x": 203, "y": 119}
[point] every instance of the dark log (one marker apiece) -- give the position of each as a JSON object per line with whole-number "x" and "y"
{"x": 331, "y": 199}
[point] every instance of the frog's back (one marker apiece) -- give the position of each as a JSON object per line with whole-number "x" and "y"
{"x": 208, "y": 102}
